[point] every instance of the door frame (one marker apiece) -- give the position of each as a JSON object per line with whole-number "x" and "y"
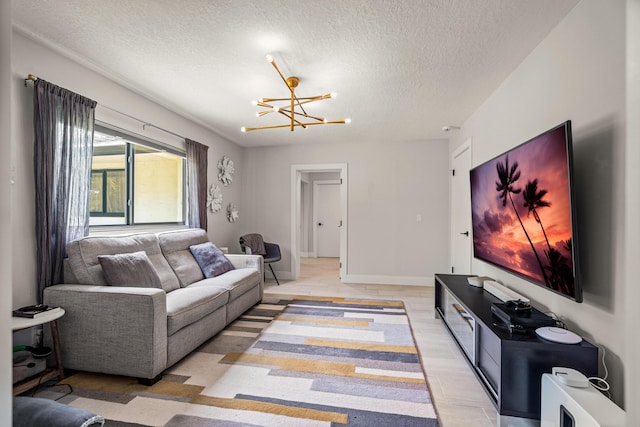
{"x": 296, "y": 179}
{"x": 466, "y": 145}
{"x": 315, "y": 209}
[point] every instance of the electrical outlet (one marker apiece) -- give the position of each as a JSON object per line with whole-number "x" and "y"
{"x": 36, "y": 336}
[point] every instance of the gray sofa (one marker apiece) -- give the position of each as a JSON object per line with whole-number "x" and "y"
{"x": 139, "y": 331}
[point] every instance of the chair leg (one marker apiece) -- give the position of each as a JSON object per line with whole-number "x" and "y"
{"x": 274, "y": 275}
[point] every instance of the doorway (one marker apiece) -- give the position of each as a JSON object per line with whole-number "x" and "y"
{"x": 301, "y": 176}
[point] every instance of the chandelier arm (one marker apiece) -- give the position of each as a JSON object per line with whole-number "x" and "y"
{"x": 308, "y": 116}
{"x": 303, "y": 100}
{"x": 333, "y": 122}
{"x": 293, "y": 96}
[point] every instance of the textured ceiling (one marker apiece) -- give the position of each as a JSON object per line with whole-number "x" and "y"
{"x": 402, "y": 68}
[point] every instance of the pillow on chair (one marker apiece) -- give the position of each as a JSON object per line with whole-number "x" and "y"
{"x": 211, "y": 260}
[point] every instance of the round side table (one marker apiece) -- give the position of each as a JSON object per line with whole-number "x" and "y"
{"x": 18, "y": 323}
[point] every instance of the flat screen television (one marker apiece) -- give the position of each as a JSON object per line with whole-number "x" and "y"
{"x": 523, "y": 214}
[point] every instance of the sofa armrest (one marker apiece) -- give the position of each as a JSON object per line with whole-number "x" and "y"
{"x": 110, "y": 329}
{"x": 247, "y": 261}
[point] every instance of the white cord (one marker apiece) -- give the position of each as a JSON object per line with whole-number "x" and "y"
{"x": 601, "y": 383}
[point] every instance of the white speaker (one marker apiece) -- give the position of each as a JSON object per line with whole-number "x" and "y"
{"x": 503, "y": 293}
{"x": 566, "y": 406}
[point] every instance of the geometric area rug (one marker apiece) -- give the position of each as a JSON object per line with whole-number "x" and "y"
{"x": 298, "y": 361}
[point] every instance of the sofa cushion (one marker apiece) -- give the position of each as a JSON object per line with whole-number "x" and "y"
{"x": 132, "y": 269}
{"x": 83, "y": 257}
{"x": 175, "y": 247}
{"x": 188, "y": 305}
{"x": 211, "y": 260}
{"x": 237, "y": 282}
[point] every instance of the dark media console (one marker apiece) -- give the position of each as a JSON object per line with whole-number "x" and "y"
{"x": 509, "y": 365}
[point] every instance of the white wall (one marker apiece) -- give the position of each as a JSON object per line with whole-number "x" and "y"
{"x": 389, "y": 184}
{"x": 6, "y": 245}
{"x": 632, "y": 217}
{"x": 30, "y": 57}
{"x": 577, "y": 73}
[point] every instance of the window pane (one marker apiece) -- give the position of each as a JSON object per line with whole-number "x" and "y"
{"x": 108, "y": 183}
{"x": 95, "y": 198}
{"x": 158, "y": 186}
{"x": 115, "y": 191}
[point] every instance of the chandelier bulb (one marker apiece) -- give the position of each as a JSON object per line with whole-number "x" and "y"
{"x": 276, "y": 109}
{"x": 254, "y": 102}
{"x": 324, "y": 120}
{"x": 243, "y": 129}
{"x": 347, "y": 120}
{"x": 270, "y": 58}
{"x": 333, "y": 94}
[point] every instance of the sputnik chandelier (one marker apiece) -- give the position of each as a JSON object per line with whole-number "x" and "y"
{"x": 291, "y": 107}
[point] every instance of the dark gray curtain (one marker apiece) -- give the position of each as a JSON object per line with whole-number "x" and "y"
{"x": 63, "y": 148}
{"x": 197, "y": 184}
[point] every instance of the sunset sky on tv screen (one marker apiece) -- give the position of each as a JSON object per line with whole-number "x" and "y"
{"x": 498, "y": 236}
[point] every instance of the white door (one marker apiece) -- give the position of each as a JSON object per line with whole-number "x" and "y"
{"x": 461, "y": 210}
{"x": 327, "y": 218}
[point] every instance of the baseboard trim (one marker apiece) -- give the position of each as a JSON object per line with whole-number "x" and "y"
{"x": 389, "y": 280}
{"x": 366, "y": 279}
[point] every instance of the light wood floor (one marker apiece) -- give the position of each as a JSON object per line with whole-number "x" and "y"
{"x": 457, "y": 394}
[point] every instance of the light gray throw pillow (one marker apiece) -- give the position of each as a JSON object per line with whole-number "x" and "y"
{"x": 211, "y": 260}
{"x": 130, "y": 269}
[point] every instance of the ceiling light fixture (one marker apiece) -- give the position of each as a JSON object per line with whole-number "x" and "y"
{"x": 293, "y": 106}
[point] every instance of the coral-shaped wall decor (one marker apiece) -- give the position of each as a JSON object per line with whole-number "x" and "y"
{"x": 225, "y": 170}
{"x": 232, "y": 212}
{"x": 214, "y": 198}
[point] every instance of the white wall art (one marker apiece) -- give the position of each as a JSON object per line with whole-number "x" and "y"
{"x": 232, "y": 212}
{"x": 225, "y": 170}
{"x": 214, "y": 198}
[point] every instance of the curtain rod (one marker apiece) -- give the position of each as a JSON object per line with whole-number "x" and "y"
{"x": 145, "y": 124}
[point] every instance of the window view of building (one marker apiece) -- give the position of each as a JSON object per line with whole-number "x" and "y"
{"x": 135, "y": 181}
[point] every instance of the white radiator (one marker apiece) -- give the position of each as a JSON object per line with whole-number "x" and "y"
{"x": 565, "y": 406}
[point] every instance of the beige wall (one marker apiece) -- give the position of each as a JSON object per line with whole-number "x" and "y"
{"x": 577, "y": 73}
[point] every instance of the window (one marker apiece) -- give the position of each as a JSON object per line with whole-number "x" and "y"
{"x": 108, "y": 192}
{"x": 135, "y": 181}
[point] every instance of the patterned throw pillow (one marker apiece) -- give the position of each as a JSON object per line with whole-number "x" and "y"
{"x": 131, "y": 269}
{"x": 211, "y": 260}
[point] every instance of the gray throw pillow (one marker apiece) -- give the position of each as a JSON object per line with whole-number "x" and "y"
{"x": 211, "y": 260}
{"x": 131, "y": 269}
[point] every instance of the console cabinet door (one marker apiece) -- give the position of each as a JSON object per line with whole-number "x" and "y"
{"x": 489, "y": 360}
